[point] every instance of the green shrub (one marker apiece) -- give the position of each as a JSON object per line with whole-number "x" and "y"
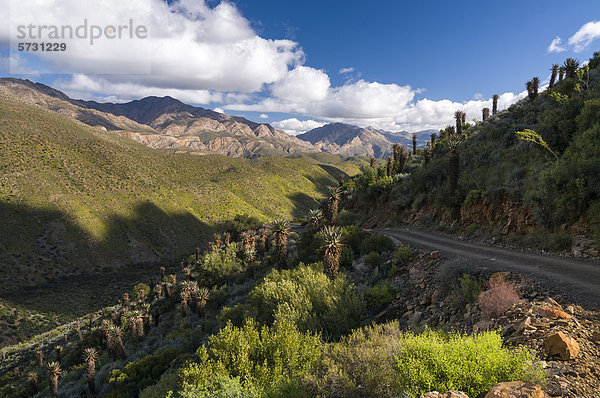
{"x": 353, "y": 237}
{"x": 381, "y": 361}
{"x": 403, "y": 255}
{"x": 473, "y": 197}
{"x": 308, "y": 298}
{"x": 373, "y": 260}
{"x": 469, "y": 289}
{"x": 449, "y": 273}
{"x": 241, "y": 222}
{"x": 308, "y": 247}
{"x": 166, "y": 384}
{"x": 379, "y": 295}
{"x": 135, "y": 376}
{"x": 250, "y": 361}
{"x": 543, "y": 239}
{"x": 377, "y": 243}
{"x": 347, "y": 257}
{"x": 347, "y": 217}
{"x": 594, "y": 217}
{"x": 219, "y": 264}
{"x": 140, "y": 287}
{"x": 472, "y": 364}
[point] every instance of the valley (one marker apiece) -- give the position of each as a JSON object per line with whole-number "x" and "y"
{"x": 157, "y": 249}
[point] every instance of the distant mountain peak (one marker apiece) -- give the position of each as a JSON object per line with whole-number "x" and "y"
{"x": 351, "y": 140}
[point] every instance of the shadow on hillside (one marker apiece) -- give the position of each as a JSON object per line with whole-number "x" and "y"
{"x": 333, "y": 171}
{"x": 39, "y": 245}
{"x": 302, "y": 204}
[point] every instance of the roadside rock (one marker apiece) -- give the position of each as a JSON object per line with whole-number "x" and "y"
{"x": 561, "y": 344}
{"x": 449, "y": 394}
{"x": 552, "y": 313}
{"x": 516, "y": 389}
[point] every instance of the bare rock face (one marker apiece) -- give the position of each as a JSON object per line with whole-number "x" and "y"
{"x": 449, "y": 394}
{"x": 516, "y": 389}
{"x": 512, "y": 216}
{"x": 562, "y": 345}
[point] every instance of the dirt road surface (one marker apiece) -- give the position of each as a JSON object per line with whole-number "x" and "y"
{"x": 577, "y": 279}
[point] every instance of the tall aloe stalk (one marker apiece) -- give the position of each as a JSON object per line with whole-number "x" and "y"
{"x": 332, "y": 237}
{"x": 281, "y": 230}
{"x": 333, "y": 201}
{"x": 89, "y": 356}
{"x": 494, "y": 104}
{"x": 54, "y": 371}
{"x": 553, "y": 76}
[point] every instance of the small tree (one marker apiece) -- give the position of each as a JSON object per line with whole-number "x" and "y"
{"x": 494, "y": 104}
{"x": 389, "y": 166}
{"x": 485, "y": 113}
{"x": 414, "y": 142}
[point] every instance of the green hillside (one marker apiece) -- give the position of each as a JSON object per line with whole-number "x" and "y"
{"x": 74, "y": 198}
{"x": 506, "y": 185}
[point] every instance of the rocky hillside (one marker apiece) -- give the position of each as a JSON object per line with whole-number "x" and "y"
{"x": 526, "y": 175}
{"x": 165, "y": 123}
{"x": 351, "y": 140}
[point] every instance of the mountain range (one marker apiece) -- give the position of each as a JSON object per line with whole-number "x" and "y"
{"x": 168, "y": 124}
{"x": 351, "y": 140}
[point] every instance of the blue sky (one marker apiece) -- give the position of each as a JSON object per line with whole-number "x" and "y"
{"x": 406, "y": 65}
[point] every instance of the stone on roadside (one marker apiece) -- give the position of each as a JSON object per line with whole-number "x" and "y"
{"x": 562, "y": 345}
{"x": 449, "y": 394}
{"x": 516, "y": 389}
{"x": 552, "y": 313}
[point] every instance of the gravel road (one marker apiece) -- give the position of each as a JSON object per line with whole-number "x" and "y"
{"x": 577, "y": 279}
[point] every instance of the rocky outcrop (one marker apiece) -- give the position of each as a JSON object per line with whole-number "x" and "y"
{"x": 513, "y": 217}
{"x": 516, "y": 389}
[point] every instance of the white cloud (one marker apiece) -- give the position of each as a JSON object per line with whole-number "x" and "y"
{"x": 220, "y": 110}
{"x": 204, "y": 54}
{"x": 302, "y": 84}
{"x": 585, "y": 36}
{"x": 294, "y": 126}
{"x": 87, "y": 87}
{"x": 477, "y": 96}
{"x": 193, "y": 46}
{"x": 555, "y": 46}
{"x": 384, "y": 106}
